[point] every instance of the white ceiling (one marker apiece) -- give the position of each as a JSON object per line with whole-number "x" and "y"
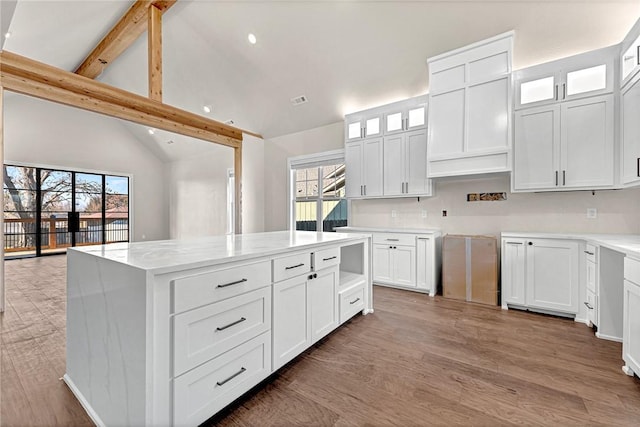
{"x": 343, "y": 55}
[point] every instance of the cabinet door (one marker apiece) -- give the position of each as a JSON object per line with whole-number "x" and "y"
{"x": 537, "y": 148}
{"x": 323, "y": 293}
{"x": 291, "y": 320}
{"x": 394, "y": 121}
{"x": 631, "y": 133}
{"x": 446, "y": 123}
{"x": 404, "y": 265}
{"x": 424, "y": 264}
{"x": 587, "y": 143}
{"x": 382, "y": 263}
{"x": 353, "y": 160}
{"x": 372, "y": 167}
{"x": 416, "y": 117}
{"x": 535, "y": 90}
{"x": 631, "y": 326}
{"x": 591, "y": 279}
{"x": 353, "y": 128}
{"x": 372, "y": 125}
{"x": 415, "y": 162}
{"x": 553, "y": 275}
{"x": 630, "y": 60}
{"x": 394, "y": 165}
{"x": 513, "y": 272}
{"x": 590, "y": 79}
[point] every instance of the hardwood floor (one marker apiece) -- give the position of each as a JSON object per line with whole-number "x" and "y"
{"x": 415, "y": 361}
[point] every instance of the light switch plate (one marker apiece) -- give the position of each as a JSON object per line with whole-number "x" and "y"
{"x": 424, "y": 213}
{"x": 592, "y": 213}
{"x": 394, "y": 213}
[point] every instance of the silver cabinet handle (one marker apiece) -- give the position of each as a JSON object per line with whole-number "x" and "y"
{"x": 406, "y": 186}
{"x": 556, "y": 178}
{"x": 294, "y": 266}
{"x": 589, "y": 306}
{"x": 223, "y": 382}
{"x": 556, "y": 92}
{"x": 222, "y": 328}
{"x": 331, "y": 257}
{"x": 564, "y": 177}
{"x": 564, "y": 91}
{"x": 361, "y": 191}
{"x": 393, "y": 240}
{"x": 355, "y": 301}
{"x": 513, "y": 243}
{"x": 589, "y": 253}
{"x": 638, "y": 55}
{"x": 237, "y": 282}
{"x": 365, "y": 189}
{"x": 638, "y": 167}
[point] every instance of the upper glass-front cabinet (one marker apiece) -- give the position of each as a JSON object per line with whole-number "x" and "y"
{"x": 630, "y": 60}
{"x": 401, "y": 116}
{"x": 359, "y": 127}
{"x": 580, "y": 76}
{"x": 405, "y": 118}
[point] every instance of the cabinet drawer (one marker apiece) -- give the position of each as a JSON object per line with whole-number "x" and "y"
{"x": 632, "y": 270}
{"x": 591, "y": 253}
{"x": 592, "y": 307}
{"x": 326, "y": 258}
{"x": 351, "y": 302}
{"x": 206, "y": 332}
{"x": 394, "y": 239}
{"x": 202, "y": 289}
{"x": 202, "y": 392}
{"x": 291, "y": 266}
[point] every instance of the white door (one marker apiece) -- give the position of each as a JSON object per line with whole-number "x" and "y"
{"x": 424, "y": 264}
{"x": 404, "y": 265}
{"x": 587, "y": 143}
{"x": 353, "y": 161}
{"x": 354, "y": 128}
{"x": 553, "y": 275}
{"x": 394, "y": 165}
{"x": 382, "y": 263}
{"x": 537, "y": 148}
{"x": 513, "y": 272}
{"x": 416, "y": 117}
{"x": 372, "y": 126}
{"x": 372, "y": 167}
{"x": 446, "y": 123}
{"x": 631, "y": 326}
{"x": 394, "y": 121}
{"x": 631, "y": 132}
{"x": 415, "y": 162}
{"x": 291, "y": 326}
{"x": 536, "y": 90}
{"x": 323, "y": 294}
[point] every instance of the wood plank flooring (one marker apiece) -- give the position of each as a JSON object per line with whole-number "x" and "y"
{"x": 415, "y": 361}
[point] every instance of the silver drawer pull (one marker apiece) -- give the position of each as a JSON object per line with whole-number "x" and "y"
{"x": 589, "y": 306}
{"x": 589, "y": 253}
{"x": 331, "y": 257}
{"x": 223, "y": 382}
{"x": 294, "y": 266}
{"x": 393, "y": 240}
{"x": 355, "y": 300}
{"x": 237, "y": 282}
{"x": 222, "y": 328}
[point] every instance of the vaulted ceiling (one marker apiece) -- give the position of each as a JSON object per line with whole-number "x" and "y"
{"x": 343, "y": 55}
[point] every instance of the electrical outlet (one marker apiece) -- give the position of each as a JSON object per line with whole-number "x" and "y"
{"x": 394, "y": 213}
{"x": 444, "y": 213}
{"x": 424, "y": 213}
{"x": 592, "y": 213}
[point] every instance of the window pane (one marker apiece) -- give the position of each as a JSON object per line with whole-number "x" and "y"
{"x": 587, "y": 80}
{"x": 56, "y": 201}
{"x": 117, "y": 184}
{"x": 416, "y": 117}
{"x": 301, "y": 189}
{"x": 306, "y": 216}
{"x": 312, "y": 188}
{"x": 20, "y": 178}
{"x": 301, "y": 175}
{"x": 89, "y": 202}
{"x": 334, "y": 214}
{"x": 537, "y": 90}
{"x": 373, "y": 126}
{"x": 354, "y": 130}
{"x": 88, "y": 183}
{"x": 117, "y": 204}
{"x": 394, "y": 122}
{"x": 55, "y": 180}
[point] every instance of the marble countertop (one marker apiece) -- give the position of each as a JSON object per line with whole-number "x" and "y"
{"x": 164, "y": 256}
{"x": 390, "y": 230}
{"x": 628, "y": 244}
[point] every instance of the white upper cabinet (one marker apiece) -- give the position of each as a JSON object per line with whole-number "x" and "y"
{"x": 405, "y": 164}
{"x": 630, "y": 133}
{"x": 469, "y": 118}
{"x": 630, "y": 55}
{"x": 405, "y": 115}
{"x": 362, "y": 126}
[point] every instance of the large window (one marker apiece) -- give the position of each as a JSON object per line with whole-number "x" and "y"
{"x": 47, "y": 211}
{"x": 318, "y": 192}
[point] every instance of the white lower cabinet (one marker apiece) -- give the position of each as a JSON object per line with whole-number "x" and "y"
{"x": 323, "y": 296}
{"x": 631, "y": 316}
{"x": 351, "y": 302}
{"x": 394, "y": 264}
{"x": 551, "y": 274}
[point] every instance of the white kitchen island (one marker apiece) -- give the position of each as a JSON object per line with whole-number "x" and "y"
{"x": 170, "y": 332}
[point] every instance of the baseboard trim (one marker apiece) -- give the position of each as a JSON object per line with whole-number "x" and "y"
{"x": 608, "y": 337}
{"x": 85, "y": 404}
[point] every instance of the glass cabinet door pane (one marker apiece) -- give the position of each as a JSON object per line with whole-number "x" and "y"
{"x": 354, "y": 130}
{"x": 631, "y": 58}
{"x": 394, "y": 122}
{"x": 587, "y": 80}
{"x": 537, "y": 90}
{"x": 416, "y": 117}
{"x": 373, "y": 126}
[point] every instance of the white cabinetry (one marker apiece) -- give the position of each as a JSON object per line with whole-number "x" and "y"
{"x": 630, "y": 54}
{"x": 551, "y": 274}
{"x": 470, "y": 109}
{"x": 392, "y": 161}
{"x": 631, "y": 314}
{"x": 630, "y": 132}
{"x": 394, "y": 264}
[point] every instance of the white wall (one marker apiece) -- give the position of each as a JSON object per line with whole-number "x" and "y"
{"x": 618, "y": 211}
{"x": 277, "y": 151}
{"x": 198, "y": 190}
{"x": 43, "y": 133}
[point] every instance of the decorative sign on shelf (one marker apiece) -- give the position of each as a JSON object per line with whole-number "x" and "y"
{"x": 486, "y": 197}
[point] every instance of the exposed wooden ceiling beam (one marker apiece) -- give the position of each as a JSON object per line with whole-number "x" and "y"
{"x": 154, "y": 47}
{"x": 122, "y": 35}
{"x": 29, "y": 77}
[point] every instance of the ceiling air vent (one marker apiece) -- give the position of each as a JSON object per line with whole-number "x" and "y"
{"x": 229, "y": 122}
{"x": 298, "y": 100}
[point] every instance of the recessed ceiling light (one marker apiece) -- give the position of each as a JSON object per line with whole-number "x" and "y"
{"x": 206, "y": 108}
{"x": 7, "y": 34}
{"x": 151, "y": 131}
{"x": 252, "y": 38}
{"x": 170, "y": 141}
